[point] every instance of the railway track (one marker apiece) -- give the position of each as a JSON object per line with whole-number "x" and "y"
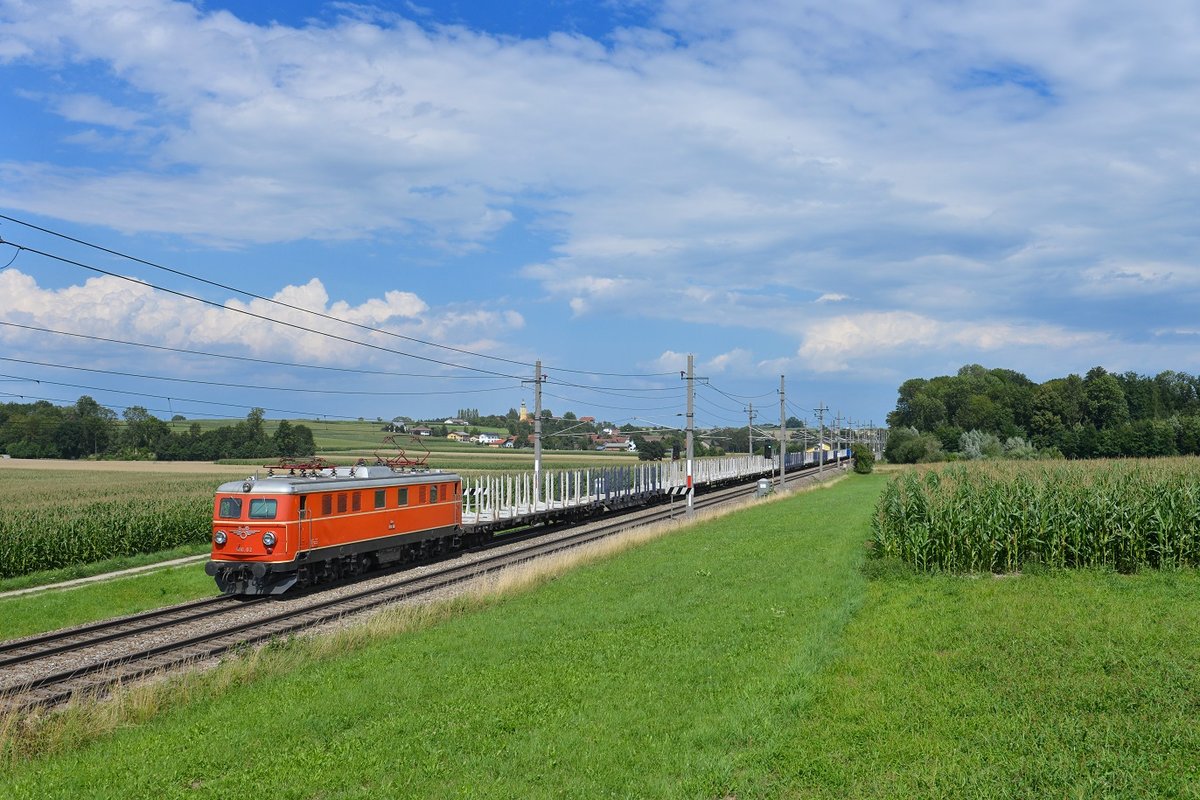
{"x": 54, "y": 667}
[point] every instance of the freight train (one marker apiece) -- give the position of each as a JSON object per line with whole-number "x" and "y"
{"x": 304, "y": 524}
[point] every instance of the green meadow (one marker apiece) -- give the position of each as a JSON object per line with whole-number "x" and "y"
{"x": 754, "y": 655}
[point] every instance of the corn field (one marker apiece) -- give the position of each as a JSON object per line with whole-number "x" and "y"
{"x": 51, "y": 519}
{"x": 997, "y": 517}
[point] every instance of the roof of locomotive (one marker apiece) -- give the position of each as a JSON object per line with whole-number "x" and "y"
{"x": 335, "y": 479}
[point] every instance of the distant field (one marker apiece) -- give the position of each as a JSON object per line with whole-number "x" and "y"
{"x": 344, "y": 442}
{"x": 336, "y": 435}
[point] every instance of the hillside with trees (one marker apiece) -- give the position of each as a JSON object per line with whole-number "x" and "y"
{"x": 998, "y": 412}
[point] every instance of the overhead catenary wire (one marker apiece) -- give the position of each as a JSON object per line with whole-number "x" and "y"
{"x": 262, "y": 317}
{"x": 196, "y": 400}
{"x": 613, "y": 408}
{"x": 246, "y": 292}
{"x": 254, "y": 295}
{"x": 224, "y": 384}
{"x": 250, "y": 359}
{"x": 737, "y": 398}
{"x": 613, "y": 391}
{"x": 481, "y": 372}
{"x": 307, "y": 415}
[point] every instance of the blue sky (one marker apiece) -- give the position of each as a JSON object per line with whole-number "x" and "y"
{"x": 848, "y": 195}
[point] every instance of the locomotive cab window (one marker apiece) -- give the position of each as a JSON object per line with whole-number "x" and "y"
{"x": 231, "y": 508}
{"x": 380, "y": 498}
{"x": 263, "y": 508}
{"x": 433, "y": 493}
{"x": 402, "y": 496}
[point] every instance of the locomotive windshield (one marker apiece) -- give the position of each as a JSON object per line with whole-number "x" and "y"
{"x": 230, "y": 508}
{"x": 262, "y": 508}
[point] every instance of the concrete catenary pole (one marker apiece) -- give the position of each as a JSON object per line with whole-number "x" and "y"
{"x": 820, "y": 411}
{"x": 750, "y": 428}
{"x": 782, "y": 439}
{"x": 537, "y": 432}
{"x": 691, "y": 414}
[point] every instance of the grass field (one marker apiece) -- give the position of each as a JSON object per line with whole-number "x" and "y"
{"x": 1070, "y": 684}
{"x": 749, "y": 656}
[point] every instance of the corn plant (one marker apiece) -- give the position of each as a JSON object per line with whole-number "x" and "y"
{"x": 995, "y": 517}
{"x": 57, "y": 519}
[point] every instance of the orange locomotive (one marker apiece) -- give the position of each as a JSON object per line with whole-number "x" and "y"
{"x": 272, "y": 533}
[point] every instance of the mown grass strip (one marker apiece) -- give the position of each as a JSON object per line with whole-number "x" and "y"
{"x": 651, "y": 675}
{"x": 47, "y": 577}
{"x": 25, "y": 615}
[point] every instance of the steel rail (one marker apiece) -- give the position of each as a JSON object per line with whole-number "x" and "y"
{"x": 68, "y": 639}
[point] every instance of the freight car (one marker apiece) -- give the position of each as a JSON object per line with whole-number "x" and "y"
{"x": 312, "y": 525}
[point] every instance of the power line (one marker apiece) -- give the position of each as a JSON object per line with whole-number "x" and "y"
{"x": 739, "y": 398}
{"x": 247, "y": 358}
{"x": 262, "y": 317}
{"x": 188, "y": 399}
{"x": 612, "y": 408}
{"x": 611, "y": 389}
{"x": 736, "y": 410}
{"x": 290, "y": 412}
{"x": 247, "y": 293}
{"x": 249, "y": 385}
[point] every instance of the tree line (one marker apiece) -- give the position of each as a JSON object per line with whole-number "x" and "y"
{"x": 982, "y": 412}
{"x": 89, "y": 430}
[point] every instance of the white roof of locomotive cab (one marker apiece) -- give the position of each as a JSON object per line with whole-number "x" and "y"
{"x": 341, "y": 479}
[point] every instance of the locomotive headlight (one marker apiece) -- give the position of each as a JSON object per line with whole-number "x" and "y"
{"x": 269, "y": 539}
{"x": 219, "y": 537}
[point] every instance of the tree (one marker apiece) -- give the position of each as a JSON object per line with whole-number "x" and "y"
{"x": 143, "y": 431}
{"x": 97, "y": 426}
{"x": 1106, "y": 404}
{"x": 650, "y": 451}
{"x": 981, "y": 412}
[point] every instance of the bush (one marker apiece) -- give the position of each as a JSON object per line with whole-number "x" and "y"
{"x": 907, "y": 446}
{"x": 864, "y": 459}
